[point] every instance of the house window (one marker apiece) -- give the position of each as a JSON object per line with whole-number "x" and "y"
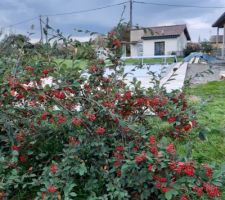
{"x": 159, "y": 48}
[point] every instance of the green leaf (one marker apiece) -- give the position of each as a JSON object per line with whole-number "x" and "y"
{"x": 169, "y": 195}
{"x": 73, "y": 194}
{"x": 122, "y": 123}
{"x": 82, "y": 169}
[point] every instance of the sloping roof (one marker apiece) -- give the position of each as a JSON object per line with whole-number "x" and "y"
{"x": 172, "y": 31}
{"x": 220, "y": 22}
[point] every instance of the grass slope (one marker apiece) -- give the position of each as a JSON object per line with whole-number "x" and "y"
{"x": 211, "y": 119}
{"x": 68, "y": 63}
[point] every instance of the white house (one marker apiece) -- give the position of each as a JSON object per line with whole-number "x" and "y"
{"x": 160, "y": 40}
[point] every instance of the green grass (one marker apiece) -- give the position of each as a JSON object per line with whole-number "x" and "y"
{"x": 68, "y": 63}
{"x": 152, "y": 60}
{"x": 211, "y": 119}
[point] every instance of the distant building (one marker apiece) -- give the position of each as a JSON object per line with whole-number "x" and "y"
{"x": 220, "y": 23}
{"x": 216, "y": 41}
{"x": 160, "y": 40}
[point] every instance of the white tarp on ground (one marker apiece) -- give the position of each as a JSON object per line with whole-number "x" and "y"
{"x": 178, "y": 80}
{"x": 142, "y": 75}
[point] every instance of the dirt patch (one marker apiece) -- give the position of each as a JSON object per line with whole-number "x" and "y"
{"x": 194, "y": 99}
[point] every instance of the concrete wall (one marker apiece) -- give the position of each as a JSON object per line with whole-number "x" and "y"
{"x": 195, "y": 69}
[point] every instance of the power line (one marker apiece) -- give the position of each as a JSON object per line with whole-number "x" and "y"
{"x": 178, "y": 5}
{"x": 113, "y": 5}
{"x": 87, "y": 10}
{"x": 21, "y": 22}
{"x": 65, "y": 13}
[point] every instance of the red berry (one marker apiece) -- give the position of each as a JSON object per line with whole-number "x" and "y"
{"x": 19, "y": 96}
{"x": 140, "y": 158}
{"x": 73, "y": 141}
{"x": 22, "y": 158}
{"x": 151, "y": 140}
{"x": 118, "y": 173}
{"x": 150, "y": 167}
{"x": 53, "y": 168}
{"x": 171, "y": 149}
{"x": 189, "y": 170}
{"x": 91, "y": 117}
{"x": 45, "y": 71}
{"x": 44, "y": 116}
{"x": 117, "y": 43}
{"x": 119, "y": 148}
{"x": 171, "y": 119}
{"x": 117, "y": 164}
{"x": 100, "y": 131}
{"x": 165, "y": 189}
{"x": 154, "y": 150}
{"x": 52, "y": 189}
{"x": 76, "y": 121}
{"x": 15, "y": 148}
{"x": 184, "y": 197}
{"x": 187, "y": 127}
{"x": 29, "y": 68}
{"x": 208, "y": 171}
{"x": 198, "y": 190}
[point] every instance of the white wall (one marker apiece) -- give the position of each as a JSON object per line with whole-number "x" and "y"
{"x": 171, "y": 45}
{"x": 182, "y": 42}
{"x": 133, "y": 50}
{"x": 137, "y": 49}
{"x": 136, "y": 35}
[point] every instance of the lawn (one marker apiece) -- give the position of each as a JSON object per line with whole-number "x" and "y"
{"x": 153, "y": 60}
{"x": 210, "y": 105}
{"x": 68, "y": 63}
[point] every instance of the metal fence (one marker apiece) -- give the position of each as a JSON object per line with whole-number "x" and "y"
{"x": 217, "y": 52}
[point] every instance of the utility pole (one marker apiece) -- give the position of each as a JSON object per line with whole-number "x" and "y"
{"x": 47, "y": 20}
{"x": 131, "y": 14}
{"x": 41, "y": 29}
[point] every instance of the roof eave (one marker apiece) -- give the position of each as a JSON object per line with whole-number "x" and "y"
{"x": 219, "y": 23}
{"x": 187, "y": 34}
{"x": 155, "y": 37}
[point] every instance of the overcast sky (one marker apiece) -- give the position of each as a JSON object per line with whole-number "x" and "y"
{"x": 198, "y": 20}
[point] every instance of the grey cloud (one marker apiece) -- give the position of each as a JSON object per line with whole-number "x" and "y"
{"x": 13, "y": 11}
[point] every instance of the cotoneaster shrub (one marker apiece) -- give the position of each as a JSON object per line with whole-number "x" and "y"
{"x": 89, "y": 136}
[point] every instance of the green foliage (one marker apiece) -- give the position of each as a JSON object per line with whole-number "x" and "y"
{"x": 206, "y": 47}
{"x": 191, "y": 47}
{"x": 88, "y": 135}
